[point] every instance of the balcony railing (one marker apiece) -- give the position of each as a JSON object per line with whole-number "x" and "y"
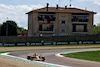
{"x": 79, "y": 20}
{"x": 80, "y": 32}
{"x": 85, "y": 31}
{"x": 52, "y": 30}
{"x": 46, "y": 20}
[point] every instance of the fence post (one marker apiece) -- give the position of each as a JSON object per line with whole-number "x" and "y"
{"x": 2, "y": 44}
{"x": 93, "y": 42}
{"x": 15, "y": 44}
{"x": 68, "y": 39}
{"x": 25, "y": 44}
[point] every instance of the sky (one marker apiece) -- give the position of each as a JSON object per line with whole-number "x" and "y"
{"x": 15, "y": 9}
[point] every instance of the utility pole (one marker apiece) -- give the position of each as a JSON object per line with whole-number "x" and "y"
{"x": 70, "y": 3}
{"x": 59, "y": 3}
{"x": 7, "y": 27}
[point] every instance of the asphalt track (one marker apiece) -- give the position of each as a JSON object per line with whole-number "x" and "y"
{"x": 51, "y": 58}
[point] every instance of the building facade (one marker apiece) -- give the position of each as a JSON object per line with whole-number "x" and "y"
{"x": 60, "y": 21}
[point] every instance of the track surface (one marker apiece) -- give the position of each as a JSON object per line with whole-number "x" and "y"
{"x": 51, "y": 58}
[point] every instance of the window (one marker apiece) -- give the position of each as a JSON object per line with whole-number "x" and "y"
{"x": 79, "y": 27}
{"x": 40, "y": 27}
{"x": 74, "y": 28}
{"x": 85, "y": 28}
{"x": 63, "y": 30}
{"x": 63, "y": 22}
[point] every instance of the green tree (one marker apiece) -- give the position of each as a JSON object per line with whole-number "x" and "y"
{"x": 20, "y": 30}
{"x": 9, "y": 28}
{"x": 0, "y": 28}
{"x": 96, "y": 29}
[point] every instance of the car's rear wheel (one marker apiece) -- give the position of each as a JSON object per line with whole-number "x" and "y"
{"x": 43, "y": 58}
{"x": 28, "y": 57}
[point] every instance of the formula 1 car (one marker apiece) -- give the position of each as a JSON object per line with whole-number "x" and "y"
{"x": 35, "y": 57}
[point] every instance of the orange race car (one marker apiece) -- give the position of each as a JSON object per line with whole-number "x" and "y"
{"x": 34, "y": 56}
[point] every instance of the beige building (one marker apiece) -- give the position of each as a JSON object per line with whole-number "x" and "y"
{"x": 60, "y": 21}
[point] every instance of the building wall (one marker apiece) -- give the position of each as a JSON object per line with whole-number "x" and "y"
{"x": 30, "y": 22}
{"x": 69, "y": 24}
{"x": 90, "y": 24}
{"x": 59, "y": 26}
{"x": 33, "y": 24}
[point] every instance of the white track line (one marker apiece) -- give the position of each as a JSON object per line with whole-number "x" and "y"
{"x": 52, "y": 65}
{"x": 59, "y": 55}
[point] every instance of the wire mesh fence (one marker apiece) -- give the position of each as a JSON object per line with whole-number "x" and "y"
{"x": 13, "y": 39}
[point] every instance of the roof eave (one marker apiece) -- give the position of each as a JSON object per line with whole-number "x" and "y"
{"x": 95, "y": 12}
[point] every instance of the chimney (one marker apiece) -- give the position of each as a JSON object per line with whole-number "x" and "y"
{"x": 65, "y": 7}
{"x": 70, "y": 5}
{"x": 57, "y": 6}
{"x": 47, "y": 6}
{"x": 85, "y": 8}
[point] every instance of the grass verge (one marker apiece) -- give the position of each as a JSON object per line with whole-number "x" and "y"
{"x": 89, "y": 55}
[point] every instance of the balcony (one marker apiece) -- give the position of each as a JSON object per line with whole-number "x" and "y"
{"x": 80, "y": 18}
{"x": 80, "y": 32}
{"x": 76, "y": 20}
{"x": 46, "y": 19}
{"x": 51, "y": 30}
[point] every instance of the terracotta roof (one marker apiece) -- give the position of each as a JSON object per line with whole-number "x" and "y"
{"x": 25, "y": 32}
{"x": 60, "y": 9}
